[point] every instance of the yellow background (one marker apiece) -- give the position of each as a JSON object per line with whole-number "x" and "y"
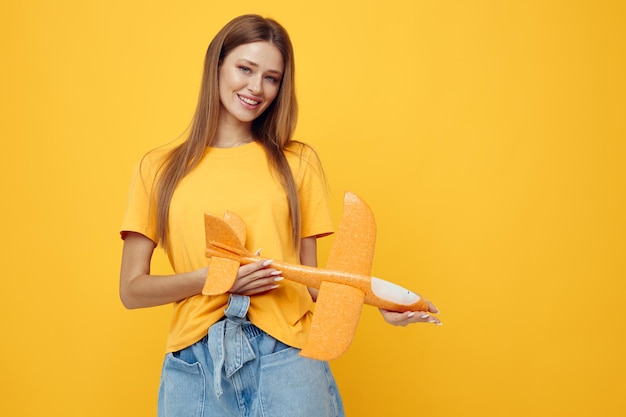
{"x": 487, "y": 136}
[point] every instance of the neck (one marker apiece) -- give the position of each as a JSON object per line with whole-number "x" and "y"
{"x": 230, "y": 135}
{"x": 231, "y": 142}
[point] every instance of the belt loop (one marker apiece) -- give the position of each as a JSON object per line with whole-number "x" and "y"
{"x": 237, "y": 306}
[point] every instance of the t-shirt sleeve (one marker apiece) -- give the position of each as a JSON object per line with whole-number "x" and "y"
{"x": 140, "y": 214}
{"x": 313, "y": 195}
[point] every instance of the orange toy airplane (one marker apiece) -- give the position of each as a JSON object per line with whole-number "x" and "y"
{"x": 344, "y": 285}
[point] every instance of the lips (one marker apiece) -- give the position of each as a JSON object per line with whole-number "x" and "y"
{"x": 248, "y": 100}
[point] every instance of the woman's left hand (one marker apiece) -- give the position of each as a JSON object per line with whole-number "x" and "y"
{"x": 397, "y": 318}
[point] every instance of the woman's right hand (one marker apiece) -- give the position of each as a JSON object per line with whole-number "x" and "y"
{"x": 256, "y": 278}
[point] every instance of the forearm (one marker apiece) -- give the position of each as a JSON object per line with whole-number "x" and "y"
{"x": 146, "y": 290}
{"x": 308, "y": 256}
{"x": 138, "y": 288}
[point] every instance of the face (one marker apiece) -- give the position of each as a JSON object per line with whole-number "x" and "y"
{"x": 249, "y": 80}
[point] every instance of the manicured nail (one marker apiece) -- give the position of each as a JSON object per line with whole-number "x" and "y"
{"x": 424, "y": 316}
{"x": 268, "y": 262}
{"x": 275, "y": 286}
{"x": 411, "y": 314}
{"x": 276, "y": 273}
{"x": 258, "y": 252}
{"x": 279, "y": 279}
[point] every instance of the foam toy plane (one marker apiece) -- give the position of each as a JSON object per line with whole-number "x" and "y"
{"x": 344, "y": 285}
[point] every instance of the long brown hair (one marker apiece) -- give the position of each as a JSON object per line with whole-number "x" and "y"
{"x": 273, "y": 129}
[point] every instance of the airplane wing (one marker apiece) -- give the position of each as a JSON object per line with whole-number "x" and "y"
{"x": 338, "y": 307}
{"x": 335, "y": 319}
{"x": 353, "y": 247}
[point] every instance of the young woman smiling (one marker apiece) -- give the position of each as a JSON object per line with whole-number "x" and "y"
{"x": 235, "y": 354}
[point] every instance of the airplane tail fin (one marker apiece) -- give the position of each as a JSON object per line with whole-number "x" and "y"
{"x": 225, "y": 238}
{"x": 224, "y": 246}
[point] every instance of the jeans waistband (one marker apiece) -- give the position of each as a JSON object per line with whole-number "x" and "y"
{"x": 251, "y": 331}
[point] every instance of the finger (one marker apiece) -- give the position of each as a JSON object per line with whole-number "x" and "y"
{"x": 427, "y": 318}
{"x": 257, "y": 281}
{"x": 258, "y": 272}
{"x": 432, "y": 308}
{"x": 254, "y": 266}
{"x": 260, "y": 286}
{"x": 403, "y": 319}
{"x": 396, "y": 318}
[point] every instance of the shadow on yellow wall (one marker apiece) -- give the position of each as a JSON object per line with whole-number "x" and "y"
{"x": 487, "y": 137}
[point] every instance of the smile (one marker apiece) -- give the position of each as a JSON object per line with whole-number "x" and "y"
{"x": 248, "y": 101}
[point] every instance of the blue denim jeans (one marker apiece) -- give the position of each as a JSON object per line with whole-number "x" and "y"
{"x": 239, "y": 370}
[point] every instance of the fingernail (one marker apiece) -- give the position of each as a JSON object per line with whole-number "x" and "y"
{"x": 276, "y": 273}
{"x": 411, "y": 314}
{"x": 268, "y": 262}
{"x": 424, "y": 316}
{"x": 275, "y": 286}
{"x": 278, "y": 279}
{"x": 258, "y": 252}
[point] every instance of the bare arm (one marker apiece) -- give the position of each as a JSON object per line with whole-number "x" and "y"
{"x": 140, "y": 289}
{"x": 308, "y": 256}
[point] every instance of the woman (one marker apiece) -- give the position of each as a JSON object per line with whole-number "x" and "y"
{"x": 236, "y": 354}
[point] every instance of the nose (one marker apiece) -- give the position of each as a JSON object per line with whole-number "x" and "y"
{"x": 255, "y": 84}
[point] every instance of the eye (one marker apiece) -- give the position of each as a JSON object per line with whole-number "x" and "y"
{"x": 244, "y": 69}
{"x": 271, "y": 79}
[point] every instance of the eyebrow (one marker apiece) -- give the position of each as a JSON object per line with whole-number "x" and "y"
{"x": 254, "y": 64}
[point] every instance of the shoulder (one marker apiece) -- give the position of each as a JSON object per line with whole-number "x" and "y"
{"x": 152, "y": 161}
{"x": 155, "y": 156}
{"x": 302, "y": 152}
{"x": 305, "y": 162}
{"x": 148, "y": 167}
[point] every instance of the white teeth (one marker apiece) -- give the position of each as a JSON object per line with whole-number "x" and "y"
{"x": 247, "y": 100}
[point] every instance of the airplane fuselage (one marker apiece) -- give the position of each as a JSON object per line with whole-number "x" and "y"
{"x": 378, "y": 292}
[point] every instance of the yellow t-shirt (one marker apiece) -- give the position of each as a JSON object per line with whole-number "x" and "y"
{"x": 238, "y": 180}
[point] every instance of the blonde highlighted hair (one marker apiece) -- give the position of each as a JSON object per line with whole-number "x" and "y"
{"x": 273, "y": 129}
